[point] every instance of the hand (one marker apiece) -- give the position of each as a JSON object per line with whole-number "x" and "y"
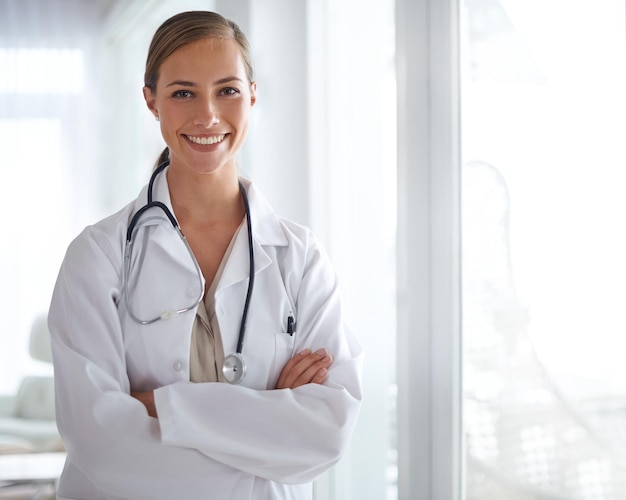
{"x": 147, "y": 398}
{"x": 306, "y": 367}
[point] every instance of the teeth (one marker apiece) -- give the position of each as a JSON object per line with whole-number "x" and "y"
{"x": 206, "y": 140}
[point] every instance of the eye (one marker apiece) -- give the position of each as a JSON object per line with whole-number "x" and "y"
{"x": 182, "y": 94}
{"x": 229, "y": 91}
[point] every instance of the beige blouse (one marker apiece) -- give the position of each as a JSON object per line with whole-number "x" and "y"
{"x": 207, "y": 352}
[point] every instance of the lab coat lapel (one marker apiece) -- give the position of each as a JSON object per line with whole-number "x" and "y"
{"x": 237, "y": 267}
{"x": 231, "y": 292}
{"x": 266, "y": 231}
{"x": 266, "y": 226}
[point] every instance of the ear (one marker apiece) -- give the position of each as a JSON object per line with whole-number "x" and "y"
{"x": 252, "y": 94}
{"x": 150, "y": 98}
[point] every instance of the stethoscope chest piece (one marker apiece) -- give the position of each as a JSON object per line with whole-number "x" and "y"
{"x": 234, "y": 368}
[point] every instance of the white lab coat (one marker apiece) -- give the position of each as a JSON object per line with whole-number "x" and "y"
{"x": 211, "y": 440}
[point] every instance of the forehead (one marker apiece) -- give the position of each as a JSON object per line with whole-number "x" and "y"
{"x": 206, "y": 58}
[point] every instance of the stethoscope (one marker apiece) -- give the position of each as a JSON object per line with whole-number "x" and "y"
{"x": 234, "y": 367}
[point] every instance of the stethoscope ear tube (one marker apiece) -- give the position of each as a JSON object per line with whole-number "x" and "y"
{"x": 151, "y": 203}
{"x": 140, "y": 212}
{"x": 154, "y": 175}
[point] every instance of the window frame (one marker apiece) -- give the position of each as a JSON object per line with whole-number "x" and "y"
{"x": 430, "y": 450}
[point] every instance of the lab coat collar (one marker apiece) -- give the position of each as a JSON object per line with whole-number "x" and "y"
{"x": 266, "y": 226}
{"x": 267, "y": 230}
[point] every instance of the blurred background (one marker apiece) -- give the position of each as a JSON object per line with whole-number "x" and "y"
{"x": 542, "y": 121}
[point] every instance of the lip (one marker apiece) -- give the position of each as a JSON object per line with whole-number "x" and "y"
{"x": 205, "y": 142}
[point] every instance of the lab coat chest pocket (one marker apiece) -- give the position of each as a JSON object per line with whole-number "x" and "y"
{"x": 267, "y": 347}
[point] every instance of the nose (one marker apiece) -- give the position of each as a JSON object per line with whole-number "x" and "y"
{"x": 206, "y": 113}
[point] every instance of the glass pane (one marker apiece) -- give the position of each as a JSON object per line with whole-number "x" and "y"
{"x": 353, "y": 183}
{"x": 34, "y": 229}
{"x": 41, "y": 71}
{"x": 544, "y": 121}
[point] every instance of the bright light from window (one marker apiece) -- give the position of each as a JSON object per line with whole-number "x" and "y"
{"x": 41, "y": 71}
{"x": 544, "y": 116}
{"x": 36, "y": 210}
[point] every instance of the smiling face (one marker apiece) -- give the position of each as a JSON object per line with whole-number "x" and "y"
{"x": 203, "y": 100}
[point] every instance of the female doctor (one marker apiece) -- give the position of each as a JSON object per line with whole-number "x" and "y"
{"x": 214, "y": 365}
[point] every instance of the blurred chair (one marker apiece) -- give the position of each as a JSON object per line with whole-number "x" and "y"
{"x": 27, "y": 419}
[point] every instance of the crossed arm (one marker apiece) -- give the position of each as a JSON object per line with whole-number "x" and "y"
{"x": 306, "y": 367}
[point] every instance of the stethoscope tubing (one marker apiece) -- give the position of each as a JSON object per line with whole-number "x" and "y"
{"x": 128, "y": 250}
{"x": 246, "y": 307}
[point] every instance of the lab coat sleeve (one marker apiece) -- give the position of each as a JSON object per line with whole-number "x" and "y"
{"x": 107, "y": 433}
{"x": 290, "y": 436}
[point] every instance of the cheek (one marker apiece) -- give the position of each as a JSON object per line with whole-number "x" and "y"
{"x": 242, "y": 116}
{"x": 168, "y": 112}
{"x": 170, "y": 119}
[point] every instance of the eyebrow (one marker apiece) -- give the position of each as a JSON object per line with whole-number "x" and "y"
{"x": 185, "y": 83}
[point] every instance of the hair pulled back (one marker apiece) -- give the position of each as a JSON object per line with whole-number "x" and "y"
{"x": 184, "y": 28}
{"x": 187, "y": 27}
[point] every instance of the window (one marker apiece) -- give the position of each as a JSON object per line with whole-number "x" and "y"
{"x": 353, "y": 210}
{"x": 544, "y": 117}
{"x": 36, "y": 201}
{"x": 41, "y": 71}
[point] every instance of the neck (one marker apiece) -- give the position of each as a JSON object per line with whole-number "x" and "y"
{"x": 205, "y": 199}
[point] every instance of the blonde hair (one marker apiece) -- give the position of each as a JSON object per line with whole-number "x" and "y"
{"x": 184, "y": 28}
{"x": 188, "y": 27}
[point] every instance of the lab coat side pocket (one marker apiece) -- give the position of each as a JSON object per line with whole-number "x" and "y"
{"x": 284, "y": 345}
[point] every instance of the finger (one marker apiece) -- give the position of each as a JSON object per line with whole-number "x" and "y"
{"x": 297, "y": 366}
{"x": 284, "y": 379}
{"x": 304, "y": 366}
{"x": 315, "y": 373}
{"x": 320, "y": 376}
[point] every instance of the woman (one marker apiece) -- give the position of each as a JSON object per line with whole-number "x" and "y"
{"x": 146, "y": 327}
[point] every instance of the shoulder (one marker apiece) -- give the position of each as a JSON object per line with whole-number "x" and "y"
{"x": 271, "y": 229}
{"x": 103, "y": 239}
{"x": 295, "y": 246}
{"x": 300, "y": 238}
